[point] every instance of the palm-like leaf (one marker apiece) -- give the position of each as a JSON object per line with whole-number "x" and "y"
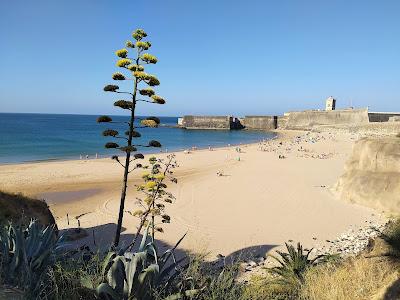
{"x": 293, "y": 264}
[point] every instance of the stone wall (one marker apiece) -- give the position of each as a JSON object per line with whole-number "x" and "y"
{"x": 282, "y": 122}
{"x": 260, "y": 122}
{"x": 310, "y": 119}
{"x": 381, "y": 117}
{"x": 207, "y": 122}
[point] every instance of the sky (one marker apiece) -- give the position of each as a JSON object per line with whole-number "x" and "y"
{"x": 216, "y": 57}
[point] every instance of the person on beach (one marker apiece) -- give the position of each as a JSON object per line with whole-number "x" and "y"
{"x": 80, "y": 156}
{"x": 87, "y": 156}
{"x": 97, "y": 156}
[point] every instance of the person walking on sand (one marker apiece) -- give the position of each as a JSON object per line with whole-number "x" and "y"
{"x": 80, "y": 156}
{"x": 87, "y": 156}
{"x": 97, "y": 156}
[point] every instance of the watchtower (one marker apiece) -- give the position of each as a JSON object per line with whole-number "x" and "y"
{"x": 330, "y": 104}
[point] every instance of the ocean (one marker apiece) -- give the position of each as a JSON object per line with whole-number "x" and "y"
{"x": 36, "y": 137}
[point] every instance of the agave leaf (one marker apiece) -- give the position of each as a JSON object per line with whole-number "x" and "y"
{"x": 144, "y": 239}
{"x": 104, "y": 290}
{"x": 17, "y": 249}
{"x": 116, "y": 275}
{"x": 167, "y": 270}
{"x": 134, "y": 268}
{"x": 146, "y": 280}
{"x": 107, "y": 263}
{"x": 166, "y": 254}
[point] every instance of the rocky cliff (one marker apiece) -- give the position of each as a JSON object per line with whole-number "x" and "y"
{"x": 372, "y": 174}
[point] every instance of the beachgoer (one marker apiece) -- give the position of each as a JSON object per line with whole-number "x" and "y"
{"x": 87, "y": 156}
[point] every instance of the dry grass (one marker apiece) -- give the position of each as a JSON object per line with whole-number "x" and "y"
{"x": 264, "y": 287}
{"x": 355, "y": 278}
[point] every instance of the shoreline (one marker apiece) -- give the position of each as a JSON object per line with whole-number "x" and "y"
{"x": 254, "y": 191}
{"x": 103, "y": 156}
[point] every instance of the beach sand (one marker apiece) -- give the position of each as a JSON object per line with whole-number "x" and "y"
{"x": 261, "y": 201}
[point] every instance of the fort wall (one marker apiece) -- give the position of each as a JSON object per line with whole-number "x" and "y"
{"x": 382, "y": 116}
{"x": 260, "y": 122}
{"x": 309, "y": 119}
{"x": 207, "y": 122}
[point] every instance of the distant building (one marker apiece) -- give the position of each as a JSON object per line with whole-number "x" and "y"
{"x": 330, "y": 104}
{"x": 180, "y": 121}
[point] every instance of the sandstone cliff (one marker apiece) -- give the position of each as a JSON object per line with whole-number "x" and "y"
{"x": 372, "y": 174}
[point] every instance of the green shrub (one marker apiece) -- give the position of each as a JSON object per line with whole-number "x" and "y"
{"x": 75, "y": 278}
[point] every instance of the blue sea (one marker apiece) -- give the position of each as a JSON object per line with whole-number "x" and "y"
{"x": 35, "y": 137}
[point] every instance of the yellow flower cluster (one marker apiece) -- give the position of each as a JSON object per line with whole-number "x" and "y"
{"x": 148, "y": 201}
{"x": 152, "y": 80}
{"x": 138, "y": 34}
{"x": 134, "y": 68}
{"x": 123, "y": 53}
{"x": 118, "y": 76}
{"x": 123, "y": 62}
{"x": 159, "y": 176}
{"x": 129, "y": 44}
{"x": 137, "y": 213}
{"x": 150, "y": 184}
{"x": 140, "y": 75}
{"x": 143, "y": 45}
{"x": 148, "y": 58}
{"x": 145, "y": 175}
{"x": 147, "y": 92}
{"x": 158, "y": 99}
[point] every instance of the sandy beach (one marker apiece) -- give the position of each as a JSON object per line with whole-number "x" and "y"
{"x": 261, "y": 199}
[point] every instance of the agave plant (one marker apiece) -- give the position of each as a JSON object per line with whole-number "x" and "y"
{"x": 25, "y": 254}
{"x": 293, "y": 264}
{"x": 136, "y": 275}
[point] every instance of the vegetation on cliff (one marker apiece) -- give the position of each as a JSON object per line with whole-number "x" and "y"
{"x": 20, "y": 209}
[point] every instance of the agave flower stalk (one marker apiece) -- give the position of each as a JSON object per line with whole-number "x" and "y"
{"x": 135, "y": 67}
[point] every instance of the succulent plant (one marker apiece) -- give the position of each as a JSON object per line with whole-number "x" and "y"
{"x": 136, "y": 275}
{"x": 25, "y": 254}
{"x": 293, "y": 264}
{"x": 142, "y": 83}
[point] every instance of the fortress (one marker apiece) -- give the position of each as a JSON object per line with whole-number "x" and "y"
{"x": 304, "y": 120}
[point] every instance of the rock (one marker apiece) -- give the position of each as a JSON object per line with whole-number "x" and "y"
{"x": 74, "y": 234}
{"x": 252, "y": 264}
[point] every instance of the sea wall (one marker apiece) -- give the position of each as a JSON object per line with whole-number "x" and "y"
{"x": 207, "y": 122}
{"x": 372, "y": 174}
{"x": 309, "y": 119}
{"x": 382, "y": 117}
{"x": 260, "y": 122}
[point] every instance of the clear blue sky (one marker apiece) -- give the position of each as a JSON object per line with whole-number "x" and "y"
{"x": 215, "y": 57}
